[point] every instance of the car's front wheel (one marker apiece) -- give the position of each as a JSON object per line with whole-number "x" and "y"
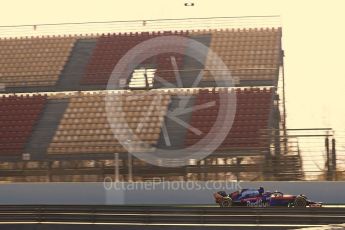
{"x": 226, "y": 202}
{"x": 300, "y": 202}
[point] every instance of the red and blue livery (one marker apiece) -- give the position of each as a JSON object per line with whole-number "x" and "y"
{"x": 261, "y": 198}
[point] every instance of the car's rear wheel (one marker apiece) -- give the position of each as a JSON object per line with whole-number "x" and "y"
{"x": 226, "y": 202}
{"x": 300, "y": 202}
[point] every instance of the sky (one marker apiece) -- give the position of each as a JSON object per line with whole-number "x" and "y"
{"x": 313, "y": 40}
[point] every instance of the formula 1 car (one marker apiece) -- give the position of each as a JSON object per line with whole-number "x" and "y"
{"x": 260, "y": 198}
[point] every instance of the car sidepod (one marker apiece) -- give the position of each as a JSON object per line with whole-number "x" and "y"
{"x": 283, "y": 201}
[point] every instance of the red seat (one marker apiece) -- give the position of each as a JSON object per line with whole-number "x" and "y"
{"x": 111, "y": 48}
{"x": 17, "y": 120}
{"x": 252, "y": 115}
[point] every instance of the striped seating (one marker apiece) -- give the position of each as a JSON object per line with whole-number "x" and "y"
{"x": 84, "y": 127}
{"x": 111, "y": 48}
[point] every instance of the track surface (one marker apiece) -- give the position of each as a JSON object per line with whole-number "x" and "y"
{"x": 169, "y": 217}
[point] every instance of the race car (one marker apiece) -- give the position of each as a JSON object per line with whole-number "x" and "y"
{"x": 259, "y": 198}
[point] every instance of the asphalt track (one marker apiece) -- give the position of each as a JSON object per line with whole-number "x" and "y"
{"x": 168, "y": 217}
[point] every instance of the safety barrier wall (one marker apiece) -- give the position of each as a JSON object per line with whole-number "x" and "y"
{"x": 155, "y": 193}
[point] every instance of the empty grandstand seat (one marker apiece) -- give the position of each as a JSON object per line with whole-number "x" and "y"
{"x": 110, "y": 48}
{"x": 249, "y": 54}
{"x": 251, "y": 120}
{"x": 34, "y": 61}
{"x": 17, "y": 118}
{"x": 84, "y": 127}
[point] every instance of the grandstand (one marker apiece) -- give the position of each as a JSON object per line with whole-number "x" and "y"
{"x": 55, "y": 124}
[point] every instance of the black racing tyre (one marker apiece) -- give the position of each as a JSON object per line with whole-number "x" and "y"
{"x": 226, "y": 202}
{"x": 300, "y": 202}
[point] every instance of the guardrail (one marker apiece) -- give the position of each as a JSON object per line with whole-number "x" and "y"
{"x": 170, "y": 215}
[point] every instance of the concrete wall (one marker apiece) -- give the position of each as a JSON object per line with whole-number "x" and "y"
{"x": 154, "y": 193}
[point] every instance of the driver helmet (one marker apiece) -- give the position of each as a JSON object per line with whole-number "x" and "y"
{"x": 261, "y": 190}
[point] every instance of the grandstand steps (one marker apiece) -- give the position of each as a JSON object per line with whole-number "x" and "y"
{"x": 176, "y": 132}
{"x": 44, "y": 130}
{"x": 188, "y": 78}
{"x": 74, "y": 69}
